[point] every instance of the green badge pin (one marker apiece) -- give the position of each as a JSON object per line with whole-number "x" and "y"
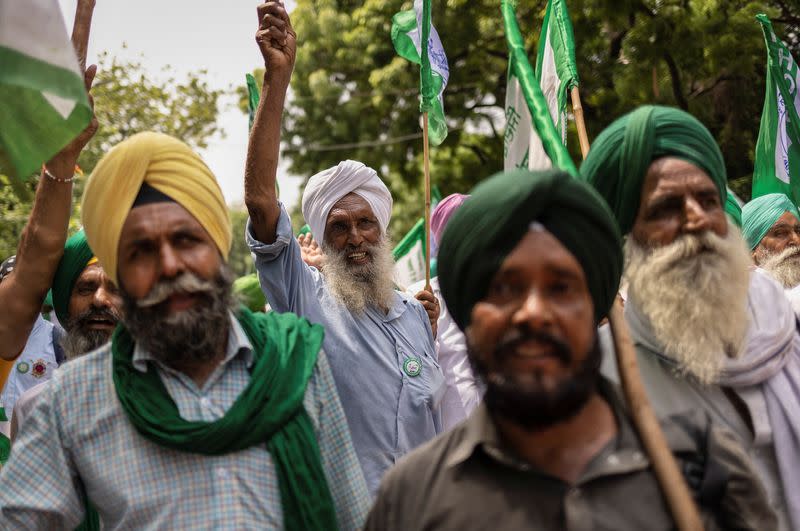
{"x": 23, "y": 367}
{"x": 412, "y": 366}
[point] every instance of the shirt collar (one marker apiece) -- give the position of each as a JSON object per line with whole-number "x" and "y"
{"x": 480, "y": 431}
{"x": 238, "y": 345}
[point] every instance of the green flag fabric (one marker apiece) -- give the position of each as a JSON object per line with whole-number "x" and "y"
{"x": 253, "y": 97}
{"x": 43, "y": 102}
{"x": 544, "y": 131}
{"x": 778, "y": 147}
{"x": 416, "y": 40}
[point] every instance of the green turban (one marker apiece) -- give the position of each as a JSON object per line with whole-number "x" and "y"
{"x": 620, "y": 157}
{"x": 733, "y": 209}
{"x": 490, "y": 224}
{"x": 76, "y": 257}
{"x": 248, "y": 291}
{"x": 761, "y": 213}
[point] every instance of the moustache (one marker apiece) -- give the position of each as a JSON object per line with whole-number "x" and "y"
{"x": 519, "y": 335}
{"x": 186, "y": 283}
{"x": 97, "y": 314}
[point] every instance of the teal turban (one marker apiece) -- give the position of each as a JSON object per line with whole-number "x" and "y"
{"x": 76, "y": 257}
{"x": 490, "y": 224}
{"x": 620, "y": 157}
{"x": 248, "y": 291}
{"x": 761, "y": 213}
{"x": 733, "y": 209}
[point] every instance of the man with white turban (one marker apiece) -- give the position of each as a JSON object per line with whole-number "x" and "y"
{"x": 379, "y": 341}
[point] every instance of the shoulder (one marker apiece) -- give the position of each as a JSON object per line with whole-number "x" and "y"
{"x": 85, "y": 381}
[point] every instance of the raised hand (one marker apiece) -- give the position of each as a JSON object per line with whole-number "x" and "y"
{"x": 310, "y": 251}
{"x": 276, "y": 38}
{"x": 63, "y": 163}
{"x": 431, "y": 305}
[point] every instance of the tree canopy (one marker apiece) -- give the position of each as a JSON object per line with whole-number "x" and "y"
{"x": 353, "y": 97}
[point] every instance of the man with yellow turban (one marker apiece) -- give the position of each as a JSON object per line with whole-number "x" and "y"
{"x": 379, "y": 341}
{"x": 197, "y": 414}
{"x": 771, "y": 226}
{"x": 711, "y": 334}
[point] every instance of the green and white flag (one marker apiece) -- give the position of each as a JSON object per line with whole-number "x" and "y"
{"x": 556, "y": 73}
{"x": 43, "y": 102}
{"x": 415, "y": 39}
{"x": 409, "y": 254}
{"x": 777, "y": 164}
{"x": 532, "y": 139}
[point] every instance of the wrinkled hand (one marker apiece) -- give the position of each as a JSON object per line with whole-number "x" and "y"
{"x": 431, "y": 305}
{"x": 63, "y": 162}
{"x": 310, "y": 252}
{"x": 276, "y": 38}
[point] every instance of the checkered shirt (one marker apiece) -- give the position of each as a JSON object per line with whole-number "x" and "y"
{"x": 78, "y": 441}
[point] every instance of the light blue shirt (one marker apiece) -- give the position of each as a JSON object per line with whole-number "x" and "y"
{"x": 389, "y": 407}
{"x": 78, "y": 441}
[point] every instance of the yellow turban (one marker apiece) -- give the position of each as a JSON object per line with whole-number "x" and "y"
{"x": 166, "y": 164}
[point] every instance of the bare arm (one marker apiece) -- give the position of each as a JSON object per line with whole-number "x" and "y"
{"x": 277, "y": 42}
{"x": 41, "y": 245}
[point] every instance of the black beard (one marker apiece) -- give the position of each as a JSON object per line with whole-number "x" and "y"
{"x": 188, "y": 337}
{"x": 80, "y": 340}
{"x": 534, "y": 408}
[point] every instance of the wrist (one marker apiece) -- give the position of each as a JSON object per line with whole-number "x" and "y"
{"x": 277, "y": 78}
{"x": 61, "y": 169}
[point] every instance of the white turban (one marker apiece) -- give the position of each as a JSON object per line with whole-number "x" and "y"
{"x": 327, "y": 187}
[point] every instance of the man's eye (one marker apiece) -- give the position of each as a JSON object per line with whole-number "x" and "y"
{"x": 505, "y": 290}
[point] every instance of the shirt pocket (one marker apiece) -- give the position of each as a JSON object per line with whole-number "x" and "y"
{"x": 422, "y": 376}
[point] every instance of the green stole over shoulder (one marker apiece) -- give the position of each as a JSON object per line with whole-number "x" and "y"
{"x": 269, "y": 411}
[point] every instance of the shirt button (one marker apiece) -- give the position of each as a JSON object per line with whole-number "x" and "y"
{"x": 222, "y": 473}
{"x": 613, "y": 460}
{"x": 205, "y": 402}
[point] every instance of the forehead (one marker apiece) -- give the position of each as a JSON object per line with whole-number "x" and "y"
{"x": 670, "y": 175}
{"x": 92, "y": 273}
{"x": 786, "y": 219}
{"x": 350, "y": 205}
{"x": 157, "y": 219}
{"x": 539, "y": 251}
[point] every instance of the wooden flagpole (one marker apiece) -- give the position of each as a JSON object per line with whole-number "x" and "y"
{"x": 673, "y": 484}
{"x": 426, "y": 157}
{"x": 80, "y": 30}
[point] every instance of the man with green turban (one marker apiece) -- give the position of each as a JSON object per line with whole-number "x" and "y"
{"x": 528, "y": 267}
{"x": 771, "y": 226}
{"x": 194, "y": 416}
{"x": 711, "y": 333}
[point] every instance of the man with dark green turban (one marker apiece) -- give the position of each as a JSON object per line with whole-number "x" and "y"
{"x": 711, "y": 333}
{"x": 528, "y": 267}
{"x": 771, "y": 226}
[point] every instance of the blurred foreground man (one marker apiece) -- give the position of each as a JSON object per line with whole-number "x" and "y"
{"x": 197, "y": 415}
{"x": 528, "y": 267}
{"x": 379, "y": 341}
{"x": 771, "y": 226}
{"x": 710, "y": 333}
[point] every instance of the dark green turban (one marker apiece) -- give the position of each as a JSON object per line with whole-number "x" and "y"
{"x": 733, "y": 208}
{"x": 619, "y": 158}
{"x": 75, "y": 259}
{"x": 490, "y": 224}
{"x": 248, "y": 291}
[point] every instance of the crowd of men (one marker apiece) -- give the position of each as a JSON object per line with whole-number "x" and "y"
{"x": 333, "y": 399}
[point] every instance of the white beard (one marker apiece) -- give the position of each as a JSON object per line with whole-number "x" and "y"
{"x": 693, "y": 292}
{"x": 783, "y": 267}
{"x": 369, "y": 285}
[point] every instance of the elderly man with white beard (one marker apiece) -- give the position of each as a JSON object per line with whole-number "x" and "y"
{"x": 379, "y": 341}
{"x": 771, "y": 226}
{"x": 710, "y": 333}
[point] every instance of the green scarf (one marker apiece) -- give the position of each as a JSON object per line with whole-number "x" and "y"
{"x": 270, "y": 410}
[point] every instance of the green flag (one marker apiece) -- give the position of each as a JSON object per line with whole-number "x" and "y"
{"x": 43, "y": 102}
{"x": 778, "y": 146}
{"x": 548, "y": 147}
{"x": 409, "y": 254}
{"x": 415, "y": 39}
{"x": 252, "y": 98}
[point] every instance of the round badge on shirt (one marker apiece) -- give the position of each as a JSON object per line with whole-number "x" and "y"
{"x": 412, "y": 366}
{"x": 23, "y": 367}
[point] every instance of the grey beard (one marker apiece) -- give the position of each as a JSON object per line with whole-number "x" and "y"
{"x": 78, "y": 342}
{"x": 190, "y": 336}
{"x": 783, "y": 267}
{"x": 360, "y": 287}
{"x": 693, "y": 293}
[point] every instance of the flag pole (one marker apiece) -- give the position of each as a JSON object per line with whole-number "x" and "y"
{"x": 577, "y": 110}
{"x": 426, "y": 157}
{"x": 80, "y": 30}
{"x": 670, "y": 478}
